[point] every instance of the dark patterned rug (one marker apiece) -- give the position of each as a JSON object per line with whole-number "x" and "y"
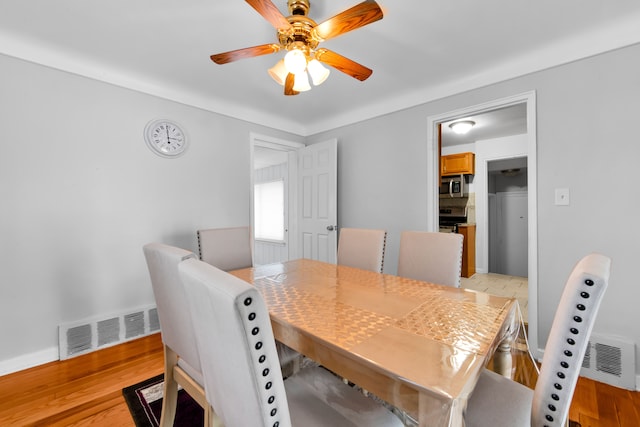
{"x": 145, "y": 404}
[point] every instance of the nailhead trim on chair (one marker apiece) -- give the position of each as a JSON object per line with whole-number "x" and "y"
{"x": 568, "y": 353}
{"x": 384, "y": 248}
{"x": 262, "y": 358}
{"x": 199, "y": 246}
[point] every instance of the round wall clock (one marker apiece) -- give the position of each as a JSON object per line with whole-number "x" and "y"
{"x": 165, "y": 138}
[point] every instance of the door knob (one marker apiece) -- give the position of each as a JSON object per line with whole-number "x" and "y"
{"x": 331, "y": 227}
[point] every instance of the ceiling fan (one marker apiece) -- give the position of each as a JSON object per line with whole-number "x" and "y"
{"x": 300, "y": 36}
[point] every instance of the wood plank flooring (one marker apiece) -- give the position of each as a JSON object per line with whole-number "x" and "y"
{"x": 82, "y": 391}
{"x": 87, "y": 390}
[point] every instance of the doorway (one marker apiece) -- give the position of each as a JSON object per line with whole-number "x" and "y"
{"x": 273, "y": 198}
{"x": 526, "y": 149}
{"x": 305, "y": 181}
{"x": 507, "y": 217}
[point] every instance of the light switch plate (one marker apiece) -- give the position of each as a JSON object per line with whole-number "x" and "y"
{"x": 562, "y": 197}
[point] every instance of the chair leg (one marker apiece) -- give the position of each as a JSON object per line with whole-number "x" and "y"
{"x": 211, "y": 419}
{"x": 170, "y": 396}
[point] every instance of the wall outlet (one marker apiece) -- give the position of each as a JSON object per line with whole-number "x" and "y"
{"x": 562, "y": 197}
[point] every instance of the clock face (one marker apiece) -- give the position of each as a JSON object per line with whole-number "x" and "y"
{"x": 165, "y": 138}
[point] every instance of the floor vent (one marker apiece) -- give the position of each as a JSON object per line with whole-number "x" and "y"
{"x": 86, "y": 336}
{"x": 610, "y": 360}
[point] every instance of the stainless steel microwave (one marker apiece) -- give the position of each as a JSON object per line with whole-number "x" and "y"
{"x": 454, "y": 186}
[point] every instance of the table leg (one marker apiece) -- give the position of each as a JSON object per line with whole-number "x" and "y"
{"x": 502, "y": 361}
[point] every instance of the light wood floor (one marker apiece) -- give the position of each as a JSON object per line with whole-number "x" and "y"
{"x": 86, "y": 390}
{"x": 502, "y": 286}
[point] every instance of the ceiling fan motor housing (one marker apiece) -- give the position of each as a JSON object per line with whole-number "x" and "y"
{"x": 298, "y": 7}
{"x": 299, "y": 35}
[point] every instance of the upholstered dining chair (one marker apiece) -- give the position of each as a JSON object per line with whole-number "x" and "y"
{"x": 226, "y": 248}
{"x": 431, "y": 257}
{"x": 181, "y": 359}
{"x": 362, "y": 248}
{"x": 499, "y": 401}
{"x": 230, "y": 249}
{"x": 240, "y": 363}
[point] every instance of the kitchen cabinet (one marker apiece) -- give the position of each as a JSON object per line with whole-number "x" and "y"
{"x": 456, "y": 164}
{"x": 468, "y": 231}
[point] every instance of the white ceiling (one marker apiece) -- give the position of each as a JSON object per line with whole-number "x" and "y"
{"x": 420, "y": 51}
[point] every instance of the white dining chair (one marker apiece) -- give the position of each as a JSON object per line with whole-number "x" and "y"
{"x": 362, "y": 248}
{"x": 230, "y": 249}
{"x": 226, "y": 248}
{"x": 181, "y": 359}
{"x": 431, "y": 257}
{"x": 240, "y": 363}
{"x": 499, "y": 401}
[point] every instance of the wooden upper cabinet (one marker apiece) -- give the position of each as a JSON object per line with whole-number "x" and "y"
{"x": 456, "y": 164}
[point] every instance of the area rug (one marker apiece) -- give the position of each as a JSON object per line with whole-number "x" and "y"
{"x": 145, "y": 404}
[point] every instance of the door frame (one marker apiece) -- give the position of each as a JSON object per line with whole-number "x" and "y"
{"x": 433, "y": 201}
{"x": 258, "y": 140}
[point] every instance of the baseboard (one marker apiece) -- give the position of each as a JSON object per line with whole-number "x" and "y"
{"x": 30, "y": 360}
{"x": 637, "y": 382}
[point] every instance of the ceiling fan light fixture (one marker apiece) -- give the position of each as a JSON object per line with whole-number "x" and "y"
{"x": 278, "y": 72}
{"x": 301, "y": 82}
{"x": 317, "y": 71}
{"x": 295, "y": 61}
{"x": 462, "y": 126}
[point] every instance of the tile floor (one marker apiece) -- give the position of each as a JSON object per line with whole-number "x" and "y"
{"x": 501, "y": 285}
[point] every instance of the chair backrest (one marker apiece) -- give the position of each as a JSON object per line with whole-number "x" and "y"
{"x": 240, "y": 365}
{"x": 226, "y": 248}
{"x": 362, "y": 248}
{"x": 568, "y": 340}
{"x": 431, "y": 257}
{"x": 173, "y": 308}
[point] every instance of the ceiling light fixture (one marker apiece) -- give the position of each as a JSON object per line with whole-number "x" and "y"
{"x": 278, "y": 72}
{"x": 300, "y": 36}
{"x": 510, "y": 172}
{"x": 295, "y": 61}
{"x": 462, "y": 126}
{"x": 302, "y": 66}
{"x": 301, "y": 82}
{"x": 317, "y": 71}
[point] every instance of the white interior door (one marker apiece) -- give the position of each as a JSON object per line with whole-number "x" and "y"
{"x": 317, "y": 201}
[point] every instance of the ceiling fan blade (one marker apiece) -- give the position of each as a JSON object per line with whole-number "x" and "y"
{"x": 358, "y": 16}
{"x": 271, "y": 13}
{"x": 343, "y": 64}
{"x": 247, "y": 52}
{"x": 288, "y": 85}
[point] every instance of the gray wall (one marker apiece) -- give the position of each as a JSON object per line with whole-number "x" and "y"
{"x": 81, "y": 194}
{"x": 587, "y": 142}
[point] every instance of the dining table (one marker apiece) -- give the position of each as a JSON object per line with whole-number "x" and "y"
{"x": 418, "y": 346}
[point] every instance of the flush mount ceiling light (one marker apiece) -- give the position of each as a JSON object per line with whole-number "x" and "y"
{"x": 300, "y": 36}
{"x": 462, "y": 127}
{"x": 510, "y": 172}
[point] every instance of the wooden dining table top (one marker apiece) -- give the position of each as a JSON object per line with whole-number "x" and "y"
{"x": 417, "y": 345}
